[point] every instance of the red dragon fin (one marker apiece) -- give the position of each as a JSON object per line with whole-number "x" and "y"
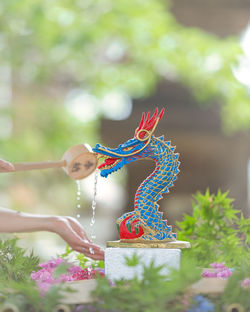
{"x": 126, "y": 234}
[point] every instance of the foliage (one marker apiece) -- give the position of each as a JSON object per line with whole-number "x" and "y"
{"x": 132, "y": 261}
{"x": 113, "y": 45}
{"x": 216, "y": 230}
{"x": 151, "y": 292}
{"x": 16, "y": 286}
{"x": 14, "y": 264}
{"x": 62, "y": 268}
{"x": 234, "y": 292}
{"x": 30, "y": 294}
{"x": 83, "y": 261}
{"x": 45, "y": 127}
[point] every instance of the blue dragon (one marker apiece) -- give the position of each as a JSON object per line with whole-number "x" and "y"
{"x": 145, "y": 222}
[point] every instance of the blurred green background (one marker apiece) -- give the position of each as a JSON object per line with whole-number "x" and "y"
{"x": 65, "y": 66}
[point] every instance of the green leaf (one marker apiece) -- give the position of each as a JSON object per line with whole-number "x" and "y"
{"x": 132, "y": 261}
{"x": 62, "y": 268}
{"x": 216, "y": 230}
{"x": 14, "y": 263}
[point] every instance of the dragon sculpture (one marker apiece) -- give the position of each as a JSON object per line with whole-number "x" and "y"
{"x": 145, "y": 222}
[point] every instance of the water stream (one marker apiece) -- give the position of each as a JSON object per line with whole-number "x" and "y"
{"x": 93, "y": 206}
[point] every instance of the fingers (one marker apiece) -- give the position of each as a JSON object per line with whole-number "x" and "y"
{"x": 72, "y": 232}
{"x": 6, "y": 166}
{"x": 92, "y": 252}
{"x": 70, "y": 236}
{"x": 94, "y": 256}
{"x": 78, "y": 228}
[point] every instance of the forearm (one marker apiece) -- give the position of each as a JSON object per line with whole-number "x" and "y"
{"x": 68, "y": 228}
{"x": 13, "y": 221}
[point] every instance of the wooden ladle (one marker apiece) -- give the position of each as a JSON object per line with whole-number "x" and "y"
{"x": 78, "y": 162}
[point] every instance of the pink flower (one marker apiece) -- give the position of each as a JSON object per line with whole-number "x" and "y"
{"x": 216, "y": 265}
{"x": 64, "y": 278}
{"x": 84, "y": 274}
{"x": 221, "y": 271}
{"x": 224, "y": 273}
{"x": 74, "y": 269}
{"x": 209, "y": 274}
{"x": 245, "y": 283}
{"x": 42, "y": 275}
{"x": 52, "y": 263}
{"x": 45, "y": 279}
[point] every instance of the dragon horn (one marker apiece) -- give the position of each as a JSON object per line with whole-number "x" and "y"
{"x": 161, "y": 114}
{"x": 142, "y": 122}
{"x": 154, "y": 116}
{"x": 147, "y": 118}
{"x": 152, "y": 120}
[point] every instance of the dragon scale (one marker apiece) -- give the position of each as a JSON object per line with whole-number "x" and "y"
{"x": 145, "y": 222}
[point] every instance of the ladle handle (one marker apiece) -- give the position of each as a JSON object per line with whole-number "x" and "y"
{"x": 39, "y": 165}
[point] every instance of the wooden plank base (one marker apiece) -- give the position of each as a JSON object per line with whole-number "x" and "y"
{"x": 149, "y": 244}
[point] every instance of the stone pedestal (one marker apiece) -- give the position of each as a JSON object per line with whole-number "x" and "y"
{"x": 167, "y": 254}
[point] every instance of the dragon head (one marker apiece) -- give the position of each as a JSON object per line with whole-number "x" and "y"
{"x": 132, "y": 149}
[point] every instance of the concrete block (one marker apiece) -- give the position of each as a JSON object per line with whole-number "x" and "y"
{"x": 116, "y": 268}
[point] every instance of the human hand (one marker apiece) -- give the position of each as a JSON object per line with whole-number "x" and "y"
{"x": 6, "y": 166}
{"x": 73, "y": 233}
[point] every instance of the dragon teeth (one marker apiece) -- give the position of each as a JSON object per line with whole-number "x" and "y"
{"x": 110, "y": 166}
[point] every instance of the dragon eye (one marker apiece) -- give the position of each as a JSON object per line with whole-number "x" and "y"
{"x": 128, "y": 148}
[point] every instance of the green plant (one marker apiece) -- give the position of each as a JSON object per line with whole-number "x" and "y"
{"x": 81, "y": 258}
{"x": 132, "y": 261}
{"x": 16, "y": 286}
{"x": 235, "y": 293}
{"x": 12, "y": 290}
{"x": 130, "y": 46}
{"x": 216, "y": 230}
{"x": 14, "y": 264}
{"x": 152, "y": 292}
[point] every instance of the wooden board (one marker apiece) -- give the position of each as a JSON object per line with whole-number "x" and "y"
{"x": 209, "y": 286}
{"x": 139, "y": 244}
{"x": 82, "y": 292}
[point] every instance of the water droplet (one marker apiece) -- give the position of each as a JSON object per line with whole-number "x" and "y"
{"x": 78, "y": 197}
{"x": 78, "y": 183}
{"x": 91, "y": 250}
{"x": 89, "y": 270}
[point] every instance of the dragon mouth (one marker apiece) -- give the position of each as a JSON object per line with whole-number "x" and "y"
{"x": 108, "y": 163}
